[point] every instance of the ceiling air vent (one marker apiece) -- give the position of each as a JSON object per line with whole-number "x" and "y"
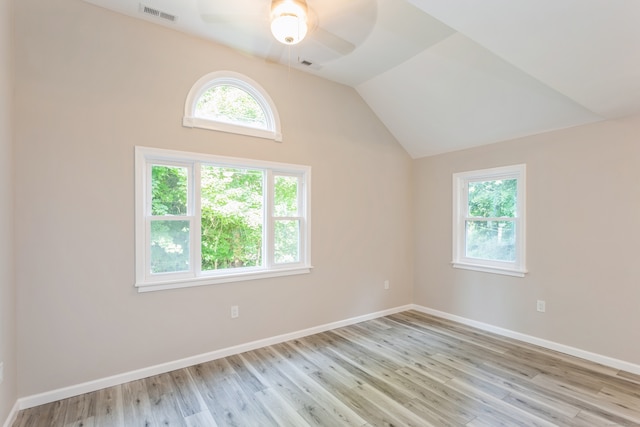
{"x": 308, "y": 63}
{"x": 158, "y": 13}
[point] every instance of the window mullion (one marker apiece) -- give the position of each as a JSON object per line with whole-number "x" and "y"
{"x": 302, "y": 243}
{"x": 269, "y": 228}
{"x": 197, "y": 220}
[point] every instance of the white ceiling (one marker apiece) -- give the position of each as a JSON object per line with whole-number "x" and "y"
{"x": 445, "y": 75}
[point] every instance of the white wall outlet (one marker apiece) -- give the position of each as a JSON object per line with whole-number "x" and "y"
{"x": 1, "y": 372}
{"x": 541, "y": 306}
{"x": 386, "y": 284}
{"x": 235, "y": 311}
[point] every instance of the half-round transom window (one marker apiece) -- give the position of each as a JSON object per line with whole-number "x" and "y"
{"x": 230, "y": 102}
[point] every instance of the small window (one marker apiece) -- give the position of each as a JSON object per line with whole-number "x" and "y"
{"x": 203, "y": 219}
{"x": 230, "y": 102}
{"x": 489, "y": 220}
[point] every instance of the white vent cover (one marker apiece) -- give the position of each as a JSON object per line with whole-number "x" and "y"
{"x": 157, "y": 13}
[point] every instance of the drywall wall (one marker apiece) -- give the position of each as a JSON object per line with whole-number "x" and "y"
{"x": 7, "y": 282}
{"x": 583, "y": 234}
{"x": 90, "y": 86}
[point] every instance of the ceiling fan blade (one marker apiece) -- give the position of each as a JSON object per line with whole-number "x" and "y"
{"x": 229, "y": 18}
{"x": 216, "y": 19}
{"x": 231, "y": 12}
{"x": 332, "y": 41}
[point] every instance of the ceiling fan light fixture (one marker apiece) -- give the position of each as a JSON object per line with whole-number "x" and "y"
{"x": 289, "y": 21}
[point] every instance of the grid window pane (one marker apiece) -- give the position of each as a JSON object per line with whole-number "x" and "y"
{"x": 169, "y": 246}
{"x": 491, "y": 240}
{"x": 285, "y": 196}
{"x": 168, "y": 190}
{"x": 287, "y": 241}
{"x": 231, "y": 217}
{"x": 493, "y": 199}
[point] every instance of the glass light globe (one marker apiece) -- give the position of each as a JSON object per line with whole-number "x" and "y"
{"x": 289, "y": 23}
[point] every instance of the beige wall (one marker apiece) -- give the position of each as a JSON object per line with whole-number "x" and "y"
{"x": 91, "y": 85}
{"x": 583, "y": 207}
{"x": 7, "y": 280}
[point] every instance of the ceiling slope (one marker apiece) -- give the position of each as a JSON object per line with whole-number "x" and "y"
{"x": 446, "y": 75}
{"x": 457, "y": 95}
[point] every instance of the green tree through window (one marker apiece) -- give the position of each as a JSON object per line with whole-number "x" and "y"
{"x": 232, "y": 105}
{"x": 232, "y": 217}
{"x": 492, "y": 237}
{"x": 204, "y": 219}
{"x": 489, "y": 224}
{"x": 169, "y": 233}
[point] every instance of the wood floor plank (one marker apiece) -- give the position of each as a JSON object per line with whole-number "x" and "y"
{"x": 201, "y": 419}
{"x": 225, "y": 397}
{"x": 406, "y": 369}
{"x": 137, "y": 407}
{"x": 341, "y": 413}
{"x": 79, "y": 409}
{"x": 282, "y": 412}
{"x": 109, "y": 407}
{"x": 164, "y": 406}
{"x": 315, "y": 406}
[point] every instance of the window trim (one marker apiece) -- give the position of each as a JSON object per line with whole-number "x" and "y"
{"x": 460, "y": 206}
{"x": 230, "y": 78}
{"x": 145, "y": 281}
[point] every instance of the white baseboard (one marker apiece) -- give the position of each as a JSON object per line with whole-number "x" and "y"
{"x": 12, "y": 416}
{"x": 66, "y": 392}
{"x": 75, "y": 390}
{"x": 583, "y": 354}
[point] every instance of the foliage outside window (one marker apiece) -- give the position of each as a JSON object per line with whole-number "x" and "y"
{"x": 231, "y": 102}
{"x": 204, "y": 219}
{"x": 489, "y": 220}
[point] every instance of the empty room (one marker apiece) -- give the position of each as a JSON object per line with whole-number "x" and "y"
{"x": 319, "y": 213}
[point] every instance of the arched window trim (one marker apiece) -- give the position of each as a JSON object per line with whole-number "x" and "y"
{"x": 230, "y": 78}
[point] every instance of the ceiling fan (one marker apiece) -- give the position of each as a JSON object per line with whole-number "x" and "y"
{"x": 336, "y": 25}
{"x": 289, "y": 20}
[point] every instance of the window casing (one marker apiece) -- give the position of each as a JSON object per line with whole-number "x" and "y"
{"x": 261, "y": 210}
{"x": 268, "y": 124}
{"x": 489, "y": 220}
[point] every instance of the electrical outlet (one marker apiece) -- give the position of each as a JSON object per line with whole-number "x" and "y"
{"x": 386, "y": 284}
{"x": 1, "y": 372}
{"x": 235, "y": 311}
{"x": 541, "y": 306}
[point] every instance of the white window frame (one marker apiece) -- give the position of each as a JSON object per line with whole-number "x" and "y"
{"x": 460, "y": 216}
{"x": 242, "y": 82}
{"x": 145, "y": 157}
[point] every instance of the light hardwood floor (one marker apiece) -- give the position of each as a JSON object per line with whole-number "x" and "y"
{"x": 407, "y": 369}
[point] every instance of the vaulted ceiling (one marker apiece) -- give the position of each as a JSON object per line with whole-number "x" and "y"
{"x": 445, "y": 75}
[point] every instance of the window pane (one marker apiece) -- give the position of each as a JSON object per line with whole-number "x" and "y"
{"x": 232, "y": 217}
{"x": 491, "y": 240}
{"x": 287, "y": 241}
{"x": 230, "y": 104}
{"x": 169, "y": 246}
{"x": 493, "y": 199}
{"x": 168, "y": 190}
{"x": 285, "y": 196}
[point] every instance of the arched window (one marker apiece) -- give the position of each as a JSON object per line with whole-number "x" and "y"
{"x": 231, "y": 102}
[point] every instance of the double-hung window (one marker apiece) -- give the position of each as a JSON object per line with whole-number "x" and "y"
{"x": 203, "y": 219}
{"x": 489, "y": 220}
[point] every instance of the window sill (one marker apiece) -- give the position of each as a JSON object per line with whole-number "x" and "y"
{"x": 214, "y": 280}
{"x": 490, "y": 269}
{"x": 195, "y": 122}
